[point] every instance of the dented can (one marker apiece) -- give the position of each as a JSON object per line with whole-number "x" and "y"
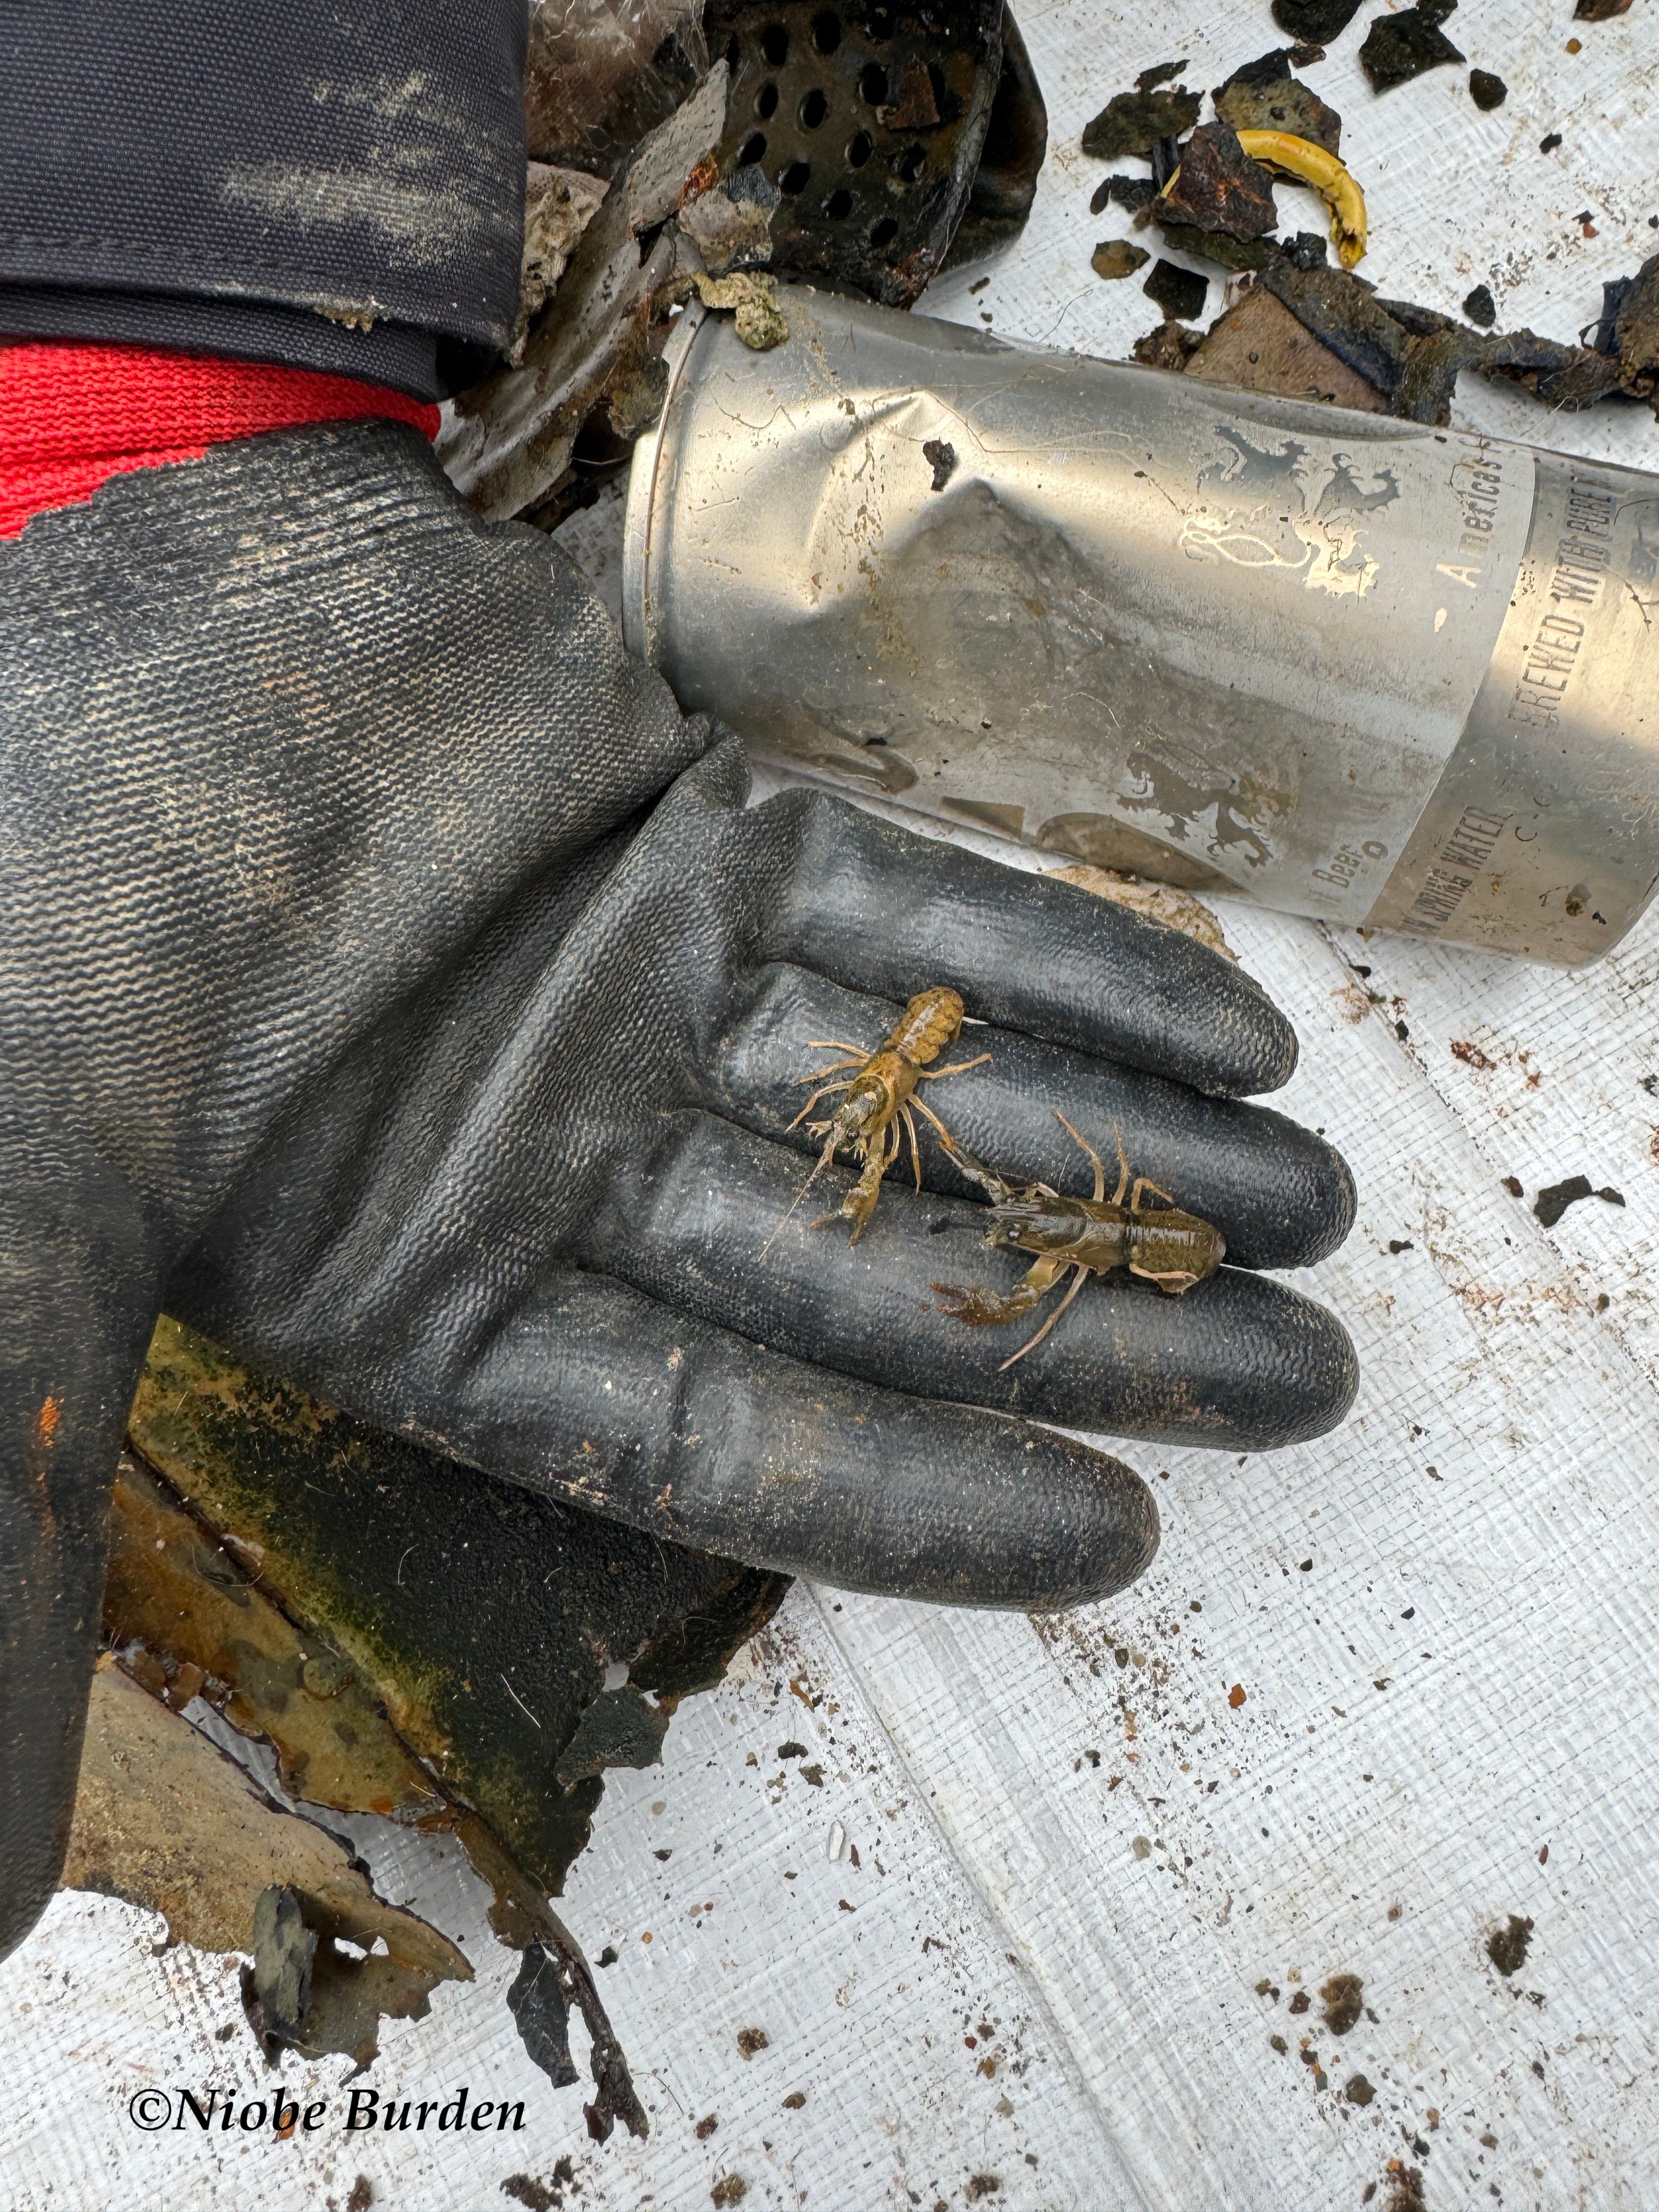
{"x": 1391, "y": 676}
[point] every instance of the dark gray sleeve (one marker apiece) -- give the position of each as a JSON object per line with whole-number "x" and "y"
{"x": 265, "y": 177}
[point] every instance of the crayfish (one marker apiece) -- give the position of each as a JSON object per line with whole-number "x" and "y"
{"x": 880, "y": 1105}
{"x": 1169, "y": 1247}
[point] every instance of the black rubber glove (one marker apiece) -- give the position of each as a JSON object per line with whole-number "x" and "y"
{"x": 393, "y": 984}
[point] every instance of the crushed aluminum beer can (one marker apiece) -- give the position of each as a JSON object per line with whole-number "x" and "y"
{"x": 1391, "y": 676}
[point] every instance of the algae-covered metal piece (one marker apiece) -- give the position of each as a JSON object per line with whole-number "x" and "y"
{"x": 483, "y": 1615}
{"x": 412, "y": 1639}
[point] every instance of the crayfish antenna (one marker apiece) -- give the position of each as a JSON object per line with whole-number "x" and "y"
{"x": 823, "y": 1159}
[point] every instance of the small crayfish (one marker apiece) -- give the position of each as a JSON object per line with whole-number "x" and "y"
{"x": 1171, "y": 1248}
{"x": 877, "y": 1111}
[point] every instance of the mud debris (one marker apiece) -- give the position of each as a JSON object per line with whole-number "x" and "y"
{"x": 752, "y": 2039}
{"x": 1358, "y": 2090}
{"x": 1507, "y": 1947}
{"x": 1343, "y": 1997}
{"x": 1479, "y": 307}
{"x": 1405, "y": 2188}
{"x": 1162, "y": 72}
{"x": 1600, "y": 11}
{"x": 1472, "y": 1056}
{"x": 1211, "y": 195}
{"x": 1160, "y": 902}
{"x": 1552, "y": 1202}
{"x": 941, "y": 457}
{"x": 1400, "y": 47}
{"x": 525, "y": 2189}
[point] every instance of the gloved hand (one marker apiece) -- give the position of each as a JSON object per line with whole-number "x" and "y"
{"x": 394, "y": 986}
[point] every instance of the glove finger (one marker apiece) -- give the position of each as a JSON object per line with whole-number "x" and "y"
{"x": 718, "y": 1226}
{"x": 1026, "y": 951}
{"x": 1280, "y": 1195}
{"x": 631, "y": 1409}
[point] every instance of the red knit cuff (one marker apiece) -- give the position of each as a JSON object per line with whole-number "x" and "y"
{"x": 72, "y": 415}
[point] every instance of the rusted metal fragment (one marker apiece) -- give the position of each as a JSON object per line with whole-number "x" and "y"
{"x": 1259, "y": 346}
{"x": 1219, "y": 188}
{"x": 1134, "y": 122}
{"x": 1132, "y": 192}
{"x": 876, "y": 124}
{"x": 165, "y": 1820}
{"x": 187, "y": 1621}
{"x": 1236, "y": 254}
{"x": 482, "y": 1616}
{"x": 731, "y": 224}
{"x": 1414, "y": 354}
{"x": 1010, "y": 161}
